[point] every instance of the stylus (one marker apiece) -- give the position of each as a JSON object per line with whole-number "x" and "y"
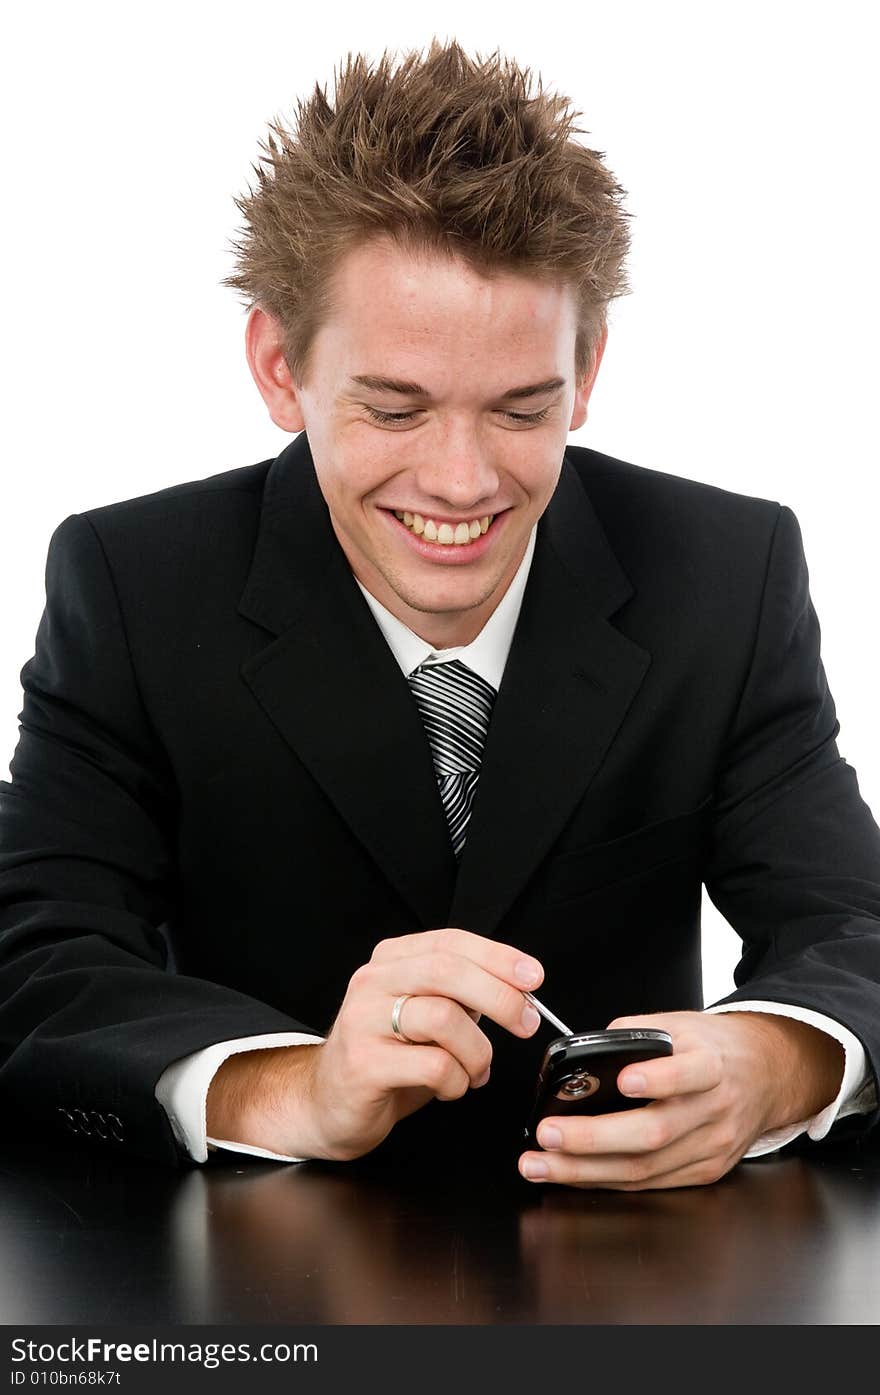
{"x": 545, "y": 1012}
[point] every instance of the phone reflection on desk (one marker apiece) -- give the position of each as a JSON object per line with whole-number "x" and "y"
{"x": 775, "y": 1241}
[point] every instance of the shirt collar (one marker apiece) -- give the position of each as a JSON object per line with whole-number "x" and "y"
{"x": 486, "y": 655}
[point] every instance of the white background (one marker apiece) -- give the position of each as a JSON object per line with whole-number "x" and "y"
{"x": 745, "y": 134}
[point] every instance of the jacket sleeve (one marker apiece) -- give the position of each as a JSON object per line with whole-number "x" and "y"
{"x": 795, "y": 861}
{"x": 90, "y": 1016}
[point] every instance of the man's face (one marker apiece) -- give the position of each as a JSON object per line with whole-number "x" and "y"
{"x": 435, "y": 394}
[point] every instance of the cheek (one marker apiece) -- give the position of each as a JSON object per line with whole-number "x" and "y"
{"x": 350, "y": 456}
{"x": 358, "y": 478}
{"x": 535, "y": 463}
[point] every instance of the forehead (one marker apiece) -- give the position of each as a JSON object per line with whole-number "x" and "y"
{"x": 397, "y": 309}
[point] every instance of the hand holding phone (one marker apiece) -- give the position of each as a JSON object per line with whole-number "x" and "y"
{"x": 579, "y": 1073}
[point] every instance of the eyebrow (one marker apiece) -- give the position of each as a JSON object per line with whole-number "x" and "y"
{"x": 407, "y": 389}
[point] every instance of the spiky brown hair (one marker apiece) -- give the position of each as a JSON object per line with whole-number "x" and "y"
{"x": 462, "y": 155}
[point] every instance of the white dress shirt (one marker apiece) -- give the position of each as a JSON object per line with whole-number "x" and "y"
{"x": 183, "y": 1087}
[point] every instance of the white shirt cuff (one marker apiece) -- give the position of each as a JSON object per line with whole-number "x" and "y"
{"x": 857, "y": 1093}
{"x": 182, "y": 1091}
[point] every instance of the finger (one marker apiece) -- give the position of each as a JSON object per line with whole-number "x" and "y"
{"x": 707, "y": 1144}
{"x": 445, "y": 1023}
{"x": 630, "y": 1131}
{"x": 442, "y": 974}
{"x": 389, "y": 1068}
{"x": 663, "y": 1077}
{"x": 687, "y": 1029}
{"x": 699, "y": 1174}
{"x": 621, "y": 1173}
{"x": 502, "y": 960}
{"x": 661, "y": 1021}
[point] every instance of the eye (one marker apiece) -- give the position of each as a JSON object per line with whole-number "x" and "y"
{"x": 528, "y": 418}
{"x": 388, "y": 418}
{"x": 400, "y": 418}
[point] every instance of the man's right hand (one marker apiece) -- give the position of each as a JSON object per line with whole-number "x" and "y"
{"x": 340, "y": 1098}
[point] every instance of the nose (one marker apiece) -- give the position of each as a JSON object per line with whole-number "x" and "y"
{"x": 457, "y": 470}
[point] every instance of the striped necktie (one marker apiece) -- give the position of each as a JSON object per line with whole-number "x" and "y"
{"x": 455, "y": 705}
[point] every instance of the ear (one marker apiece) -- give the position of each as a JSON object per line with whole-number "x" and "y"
{"x": 270, "y": 372}
{"x": 585, "y": 387}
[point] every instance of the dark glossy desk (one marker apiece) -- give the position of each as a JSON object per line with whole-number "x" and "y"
{"x": 86, "y": 1238}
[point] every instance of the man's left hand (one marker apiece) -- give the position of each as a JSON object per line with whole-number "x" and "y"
{"x": 731, "y": 1078}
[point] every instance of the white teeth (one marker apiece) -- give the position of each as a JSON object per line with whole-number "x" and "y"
{"x": 458, "y": 534}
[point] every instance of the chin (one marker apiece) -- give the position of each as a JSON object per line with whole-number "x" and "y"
{"x": 450, "y": 601}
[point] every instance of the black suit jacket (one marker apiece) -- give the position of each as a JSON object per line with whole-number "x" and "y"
{"x": 220, "y": 757}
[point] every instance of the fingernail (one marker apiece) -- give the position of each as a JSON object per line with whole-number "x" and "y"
{"x": 528, "y": 973}
{"x": 633, "y": 1085}
{"x": 530, "y": 1018}
{"x": 483, "y": 1078}
{"x": 550, "y": 1137}
{"x": 533, "y": 1168}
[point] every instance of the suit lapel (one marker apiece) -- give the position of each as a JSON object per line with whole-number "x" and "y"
{"x": 332, "y": 687}
{"x": 569, "y": 680}
{"x": 334, "y": 690}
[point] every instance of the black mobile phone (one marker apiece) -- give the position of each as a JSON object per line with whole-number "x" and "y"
{"x": 579, "y": 1073}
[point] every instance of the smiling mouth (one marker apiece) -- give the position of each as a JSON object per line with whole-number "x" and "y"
{"x": 446, "y": 534}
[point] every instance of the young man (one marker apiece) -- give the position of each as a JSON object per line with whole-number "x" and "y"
{"x": 430, "y": 710}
